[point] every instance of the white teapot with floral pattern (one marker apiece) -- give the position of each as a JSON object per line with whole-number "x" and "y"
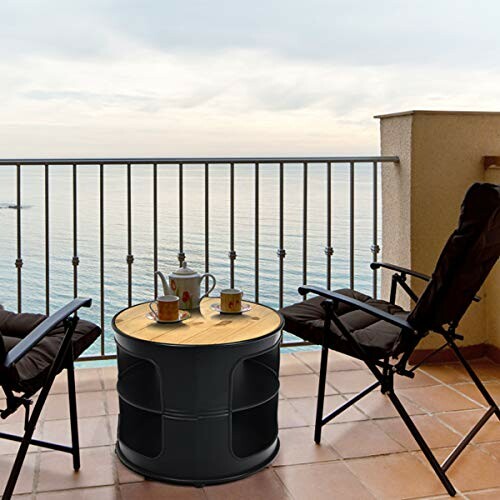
{"x": 186, "y": 284}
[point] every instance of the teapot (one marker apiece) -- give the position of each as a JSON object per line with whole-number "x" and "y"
{"x": 185, "y": 283}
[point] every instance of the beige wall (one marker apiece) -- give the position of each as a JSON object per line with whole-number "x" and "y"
{"x": 441, "y": 155}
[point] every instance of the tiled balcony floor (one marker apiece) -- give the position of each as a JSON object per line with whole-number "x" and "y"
{"x": 365, "y": 453}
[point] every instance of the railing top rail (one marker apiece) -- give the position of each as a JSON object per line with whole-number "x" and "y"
{"x": 199, "y": 161}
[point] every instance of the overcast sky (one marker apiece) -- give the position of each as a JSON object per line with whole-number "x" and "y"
{"x": 191, "y": 77}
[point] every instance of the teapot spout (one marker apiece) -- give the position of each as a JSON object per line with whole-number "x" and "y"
{"x": 166, "y": 289}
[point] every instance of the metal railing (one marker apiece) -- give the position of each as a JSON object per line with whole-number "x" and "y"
{"x": 205, "y": 170}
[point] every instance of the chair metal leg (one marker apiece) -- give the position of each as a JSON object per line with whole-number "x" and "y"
{"x": 16, "y": 468}
{"x": 421, "y": 442}
{"x": 321, "y": 394}
{"x": 466, "y": 440}
{"x": 30, "y": 426}
{"x": 73, "y": 416}
{"x": 472, "y": 374}
{"x": 25, "y": 442}
{"x": 343, "y": 407}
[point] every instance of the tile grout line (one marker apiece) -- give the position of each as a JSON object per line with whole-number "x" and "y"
{"x": 467, "y": 381}
{"x": 272, "y": 467}
{"x": 84, "y": 488}
{"x": 36, "y": 473}
{"x": 111, "y": 448}
{"x": 417, "y": 455}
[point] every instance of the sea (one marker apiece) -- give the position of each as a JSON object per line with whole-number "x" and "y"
{"x": 61, "y": 232}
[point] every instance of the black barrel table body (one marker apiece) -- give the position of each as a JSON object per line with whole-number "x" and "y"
{"x": 198, "y": 400}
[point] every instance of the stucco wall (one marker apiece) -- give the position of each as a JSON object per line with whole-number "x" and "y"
{"x": 396, "y": 139}
{"x": 441, "y": 155}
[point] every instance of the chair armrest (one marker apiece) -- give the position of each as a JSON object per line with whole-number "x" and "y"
{"x": 404, "y": 270}
{"x": 38, "y": 333}
{"x": 399, "y": 269}
{"x": 338, "y": 297}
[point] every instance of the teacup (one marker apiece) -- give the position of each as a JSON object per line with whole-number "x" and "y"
{"x": 167, "y": 308}
{"x": 230, "y": 300}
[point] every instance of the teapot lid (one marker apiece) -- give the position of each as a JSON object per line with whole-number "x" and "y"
{"x": 184, "y": 270}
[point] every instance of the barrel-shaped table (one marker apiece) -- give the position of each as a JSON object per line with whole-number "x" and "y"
{"x": 198, "y": 399}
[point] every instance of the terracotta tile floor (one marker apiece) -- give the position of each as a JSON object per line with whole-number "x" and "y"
{"x": 366, "y": 453}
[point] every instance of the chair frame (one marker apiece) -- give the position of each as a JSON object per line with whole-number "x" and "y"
{"x": 384, "y": 370}
{"x": 67, "y": 315}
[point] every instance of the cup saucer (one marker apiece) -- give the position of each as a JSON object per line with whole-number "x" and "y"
{"x": 183, "y": 315}
{"x": 244, "y": 308}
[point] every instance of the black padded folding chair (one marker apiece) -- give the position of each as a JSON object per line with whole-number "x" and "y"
{"x": 384, "y": 336}
{"x": 33, "y": 349}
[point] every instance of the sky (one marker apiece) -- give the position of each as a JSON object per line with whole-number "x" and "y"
{"x": 89, "y": 78}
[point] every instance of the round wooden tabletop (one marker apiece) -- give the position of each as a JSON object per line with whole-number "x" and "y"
{"x": 204, "y": 327}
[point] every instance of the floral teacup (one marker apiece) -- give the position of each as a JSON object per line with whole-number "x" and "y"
{"x": 230, "y": 300}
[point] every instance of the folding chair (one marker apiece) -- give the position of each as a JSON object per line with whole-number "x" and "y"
{"x": 384, "y": 336}
{"x": 33, "y": 350}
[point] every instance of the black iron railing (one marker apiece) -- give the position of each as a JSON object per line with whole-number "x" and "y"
{"x": 205, "y": 164}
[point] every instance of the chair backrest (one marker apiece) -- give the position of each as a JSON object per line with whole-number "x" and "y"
{"x": 3, "y": 351}
{"x": 465, "y": 262}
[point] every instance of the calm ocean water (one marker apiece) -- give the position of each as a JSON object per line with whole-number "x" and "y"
{"x": 115, "y": 278}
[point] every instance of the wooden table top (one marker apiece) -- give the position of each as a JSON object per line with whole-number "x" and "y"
{"x": 204, "y": 327}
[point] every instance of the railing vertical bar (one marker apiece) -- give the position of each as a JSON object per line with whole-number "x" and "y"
{"x": 329, "y": 248}
{"x": 257, "y": 235}
{"x": 47, "y": 242}
{"x": 351, "y": 224}
{"x": 155, "y": 227}
{"x": 181, "y": 256}
{"x": 207, "y": 223}
{"x": 304, "y": 226}
{"x": 375, "y": 248}
{"x": 281, "y": 251}
{"x": 130, "y": 257}
{"x": 101, "y": 253}
{"x": 19, "y": 260}
{"x": 75, "y": 260}
{"x": 232, "y": 252}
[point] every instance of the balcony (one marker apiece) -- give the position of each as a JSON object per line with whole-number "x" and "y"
{"x": 313, "y": 233}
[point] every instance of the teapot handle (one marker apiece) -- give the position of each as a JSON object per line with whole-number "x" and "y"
{"x": 208, "y": 275}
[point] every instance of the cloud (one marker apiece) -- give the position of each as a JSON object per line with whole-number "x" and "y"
{"x": 116, "y": 77}
{"x": 450, "y": 33}
{"x": 87, "y": 97}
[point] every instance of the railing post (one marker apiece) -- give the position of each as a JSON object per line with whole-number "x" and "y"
{"x": 155, "y": 227}
{"x": 101, "y": 255}
{"x": 181, "y": 256}
{"x": 328, "y": 247}
{"x": 19, "y": 259}
{"x": 75, "y": 261}
{"x": 257, "y": 242}
{"x": 375, "y": 249}
{"x": 47, "y": 241}
{"x": 130, "y": 257}
{"x": 232, "y": 252}
{"x": 351, "y": 225}
{"x": 304, "y": 225}
{"x": 207, "y": 223}
{"x": 281, "y": 251}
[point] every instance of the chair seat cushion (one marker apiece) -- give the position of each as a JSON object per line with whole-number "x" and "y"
{"x": 30, "y": 372}
{"x": 378, "y": 338}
